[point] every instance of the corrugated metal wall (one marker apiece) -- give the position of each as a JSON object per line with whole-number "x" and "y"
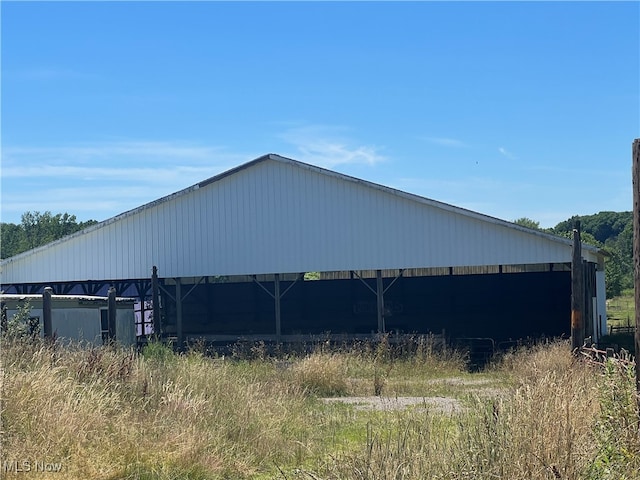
{"x": 282, "y": 216}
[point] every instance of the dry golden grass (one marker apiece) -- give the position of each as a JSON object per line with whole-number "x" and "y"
{"x": 107, "y": 413}
{"x": 324, "y": 374}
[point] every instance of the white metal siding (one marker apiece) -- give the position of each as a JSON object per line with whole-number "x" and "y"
{"x": 281, "y": 216}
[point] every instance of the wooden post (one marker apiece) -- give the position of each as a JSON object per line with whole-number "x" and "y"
{"x": 111, "y": 314}
{"x": 577, "y": 291}
{"x": 636, "y": 252}
{"x": 47, "y": 312}
{"x": 155, "y": 300}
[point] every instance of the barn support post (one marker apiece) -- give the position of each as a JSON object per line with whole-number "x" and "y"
{"x": 636, "y": 252}
{"x": 155, "y": 301}
{"x": 587, "y": 308}
{"x": 179, "y": 333}
{"x": 577, "y": 291}
{"x": 379, "y": 292}
{"x": 276, "y": 298}
{"x": 111, "y": 314}
{"x": 380, "y": 301}
{"x": 47, "y": 312}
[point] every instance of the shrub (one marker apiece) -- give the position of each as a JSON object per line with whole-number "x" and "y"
{"x": 322, "y": 374}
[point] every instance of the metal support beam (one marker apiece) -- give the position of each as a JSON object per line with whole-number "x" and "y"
{"x": 364, "y": 283}
{"x": 400, "y": 272}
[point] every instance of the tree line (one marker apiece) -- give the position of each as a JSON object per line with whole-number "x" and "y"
{"x": 611, "y": 231}
{"x": 36, "y": 229}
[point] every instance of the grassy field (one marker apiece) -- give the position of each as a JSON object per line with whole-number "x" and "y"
{"x": 621, "y": 310}
{"x": 107, "y": 413}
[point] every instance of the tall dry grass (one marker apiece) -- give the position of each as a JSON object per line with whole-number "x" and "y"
{"x": 562, "y": 418}
{"x": 110, "y": 413}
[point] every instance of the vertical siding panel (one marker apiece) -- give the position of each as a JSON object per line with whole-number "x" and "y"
{"x": 240, "y": 198}
{"x": 160, "y": 261}
{"x": 177, "y": 214}
{"x": 133, "y": 238}
{"x": 224, "y": 211}
{"x": 85, "y": 268}
{"x": 276, "y": 214}
{"x": 183, "y": 215}
{"x": 175, "y": 232}
{"x": 218, "y": 226}
{"x": 92, "y": 255}
{"x": 210, "y": 220}
{"x": 189, "y": 240}
{"x": 228, "y": 211}
{"x": 196, "y": 231}
{"x": 123, "y": 245}
{"x": 70, "y": 261}
{"x": 297, "y": 183}
{"x": 251, "y": 220}
{"x": 108, "y": 252}
{"x": 146, "y": 243}
{"x": 264, "y": 219}
{"x": 104, "y": 255}
{"x": 163, "y": 234}
{"x": 180, "y": 213}
{"x": 231, "y": 210}
{"x": 272, "y": 177}
{"x": 202, "y": 204}
{"x": 150, "y": 245}
{"x": 119, "y": 229}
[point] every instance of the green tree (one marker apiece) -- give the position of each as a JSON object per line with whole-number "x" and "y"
{"x": 527, "y": 222}
{"x": 38, "y": 229}
{"x": 12, "y": 240}
{"x": 603, "y": 226}
{"x": 612, "y": 231}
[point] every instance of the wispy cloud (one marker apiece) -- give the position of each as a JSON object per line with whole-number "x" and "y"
{"x": 506, "y": 153}
{"x": 329, "y": 147}
{"x": 446, "y": 142}
{"x": 104, "y": 179}
{"x": 114, "y": 150}
{"x": 47, "y": 73}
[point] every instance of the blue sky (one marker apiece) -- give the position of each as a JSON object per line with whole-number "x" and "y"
{"x": 524, "y": 109}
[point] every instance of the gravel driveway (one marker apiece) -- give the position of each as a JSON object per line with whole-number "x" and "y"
{"x": 438, "y": 404}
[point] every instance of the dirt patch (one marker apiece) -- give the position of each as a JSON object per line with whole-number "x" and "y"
{"x": 483, "y": 387}
{"x": 460, "y": 382}
{"x": 437, "y": 404}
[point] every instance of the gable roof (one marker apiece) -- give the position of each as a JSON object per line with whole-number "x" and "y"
{"x": 228, "y": 223}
